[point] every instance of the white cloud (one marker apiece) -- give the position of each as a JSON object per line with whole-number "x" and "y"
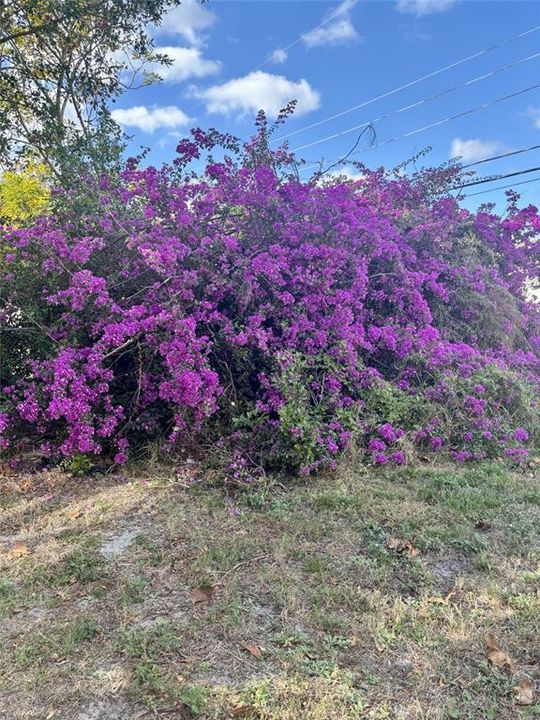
{"x": 535, "y": 114}
{"x": 335, "y": 30}
{"x": 423, "y": 7}
{"x": 347, "y": 172}
{"x": 149, "y": 119}
{"x": 187, "y": 20}
{"x": 259, "y": 91}
{"x": 187, "y": 62}
{"x": 473, "y": 150}
{"x": 278, "y": 56}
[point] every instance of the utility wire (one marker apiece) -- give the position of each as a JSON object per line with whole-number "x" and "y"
{"x": 448, "y": 119}
{"x": 493, "y": 178}
{"x": 502, "y": 155}
{"x": 428, "y": 99}
{"x": 412, "y": 82}
{"x": 502, "y": 187}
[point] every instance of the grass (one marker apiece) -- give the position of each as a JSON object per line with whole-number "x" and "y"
{"x": 361, "y": 595}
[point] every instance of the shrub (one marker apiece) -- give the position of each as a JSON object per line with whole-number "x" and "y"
{"x": 281, "y": 320}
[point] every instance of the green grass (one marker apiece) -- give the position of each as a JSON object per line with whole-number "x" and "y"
{"x": 344, "y": 623}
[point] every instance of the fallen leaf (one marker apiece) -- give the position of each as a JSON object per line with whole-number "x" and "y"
{"x": 483, "y": 525}
{"x": 524, "y": 692}
{"x": 253, "y": 649}
{"x": 402, "y": 547}
{"x": 19, "y": 550}
{"x": 51, "y": 714}
{"x": 495, "y": 655}
{"x": 201, "y": 594}
{"x": 440, "y": 600}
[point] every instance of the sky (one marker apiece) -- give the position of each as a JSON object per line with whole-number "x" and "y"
{"x": 406, "y": 66}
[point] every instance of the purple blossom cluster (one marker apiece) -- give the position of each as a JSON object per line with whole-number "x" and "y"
{"x": 312, "y": 315}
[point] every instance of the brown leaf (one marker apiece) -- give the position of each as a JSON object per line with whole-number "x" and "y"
{"x": 495, "y": 655}
{"x": 439, "y": 600}
{"x": 201, "y": 594}
{"x": 19, "y": 550}
{"x": 402, "y": 547}
{"x": 524, "y": 692}
{"x": 483, "y": 525}
{"x": 253, "y": 649}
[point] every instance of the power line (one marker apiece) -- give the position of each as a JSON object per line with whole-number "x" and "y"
{"x": 428, "y": 99}
{"x": 448, "y": 119}
{"x": 412, "y": 82}
{"x": 493, "y": 178}
{"x": 502, "y": 155}
{"x": 445, "y": 120}
{"x": 502, "y": 187}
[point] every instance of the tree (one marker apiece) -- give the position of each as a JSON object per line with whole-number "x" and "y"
{"x": 61, "y": 64}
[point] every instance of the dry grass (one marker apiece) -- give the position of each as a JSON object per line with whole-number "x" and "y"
{"x": 357, "y": 596}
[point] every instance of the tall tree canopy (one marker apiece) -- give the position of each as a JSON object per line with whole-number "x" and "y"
{"x": 61, "y": 64}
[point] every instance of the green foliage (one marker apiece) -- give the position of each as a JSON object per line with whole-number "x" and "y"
{"x": 79, "y": 464}
{"x": 23, "y": 195}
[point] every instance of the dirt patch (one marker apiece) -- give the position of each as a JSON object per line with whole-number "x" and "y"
{"x": 111, "y": 709}
{"x": 118, "y": 544}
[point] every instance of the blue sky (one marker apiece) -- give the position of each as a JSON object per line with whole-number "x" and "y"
{"x": 232, "y": 57}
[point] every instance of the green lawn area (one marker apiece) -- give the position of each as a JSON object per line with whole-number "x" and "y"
{"x": 360, "y": 595}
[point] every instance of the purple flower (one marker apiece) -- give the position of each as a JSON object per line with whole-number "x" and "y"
{"x": 376, "y": 445}
{"x": 461, "y": 455}
{"x": 219, "y": 299}
{"x": 387, "y": 432}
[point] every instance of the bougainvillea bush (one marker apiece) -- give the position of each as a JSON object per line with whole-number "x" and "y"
{"x": 220, "y": 301}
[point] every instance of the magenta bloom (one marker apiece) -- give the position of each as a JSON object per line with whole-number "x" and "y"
{"x": 521, "y": 435}
{"x": 376, "y": 445}
{"x": 221, "y": 302}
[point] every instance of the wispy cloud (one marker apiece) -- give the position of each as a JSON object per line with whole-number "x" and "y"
{"x": 423, "y": 7}
{"x": 150, "y": 119}
{"x": 187, "y": 20}
{"x": 474, "y": 150}
{"x": 259, "y": 91}
{"x": 278, "y": 56}
{"x": 336, "y": 29}
{"x": 534, "y": 112}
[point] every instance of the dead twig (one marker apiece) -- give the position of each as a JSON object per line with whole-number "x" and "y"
{"x": 242, "y": 564}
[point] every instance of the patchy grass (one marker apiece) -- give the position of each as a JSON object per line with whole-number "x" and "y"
{"x": 362, "y": 595}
